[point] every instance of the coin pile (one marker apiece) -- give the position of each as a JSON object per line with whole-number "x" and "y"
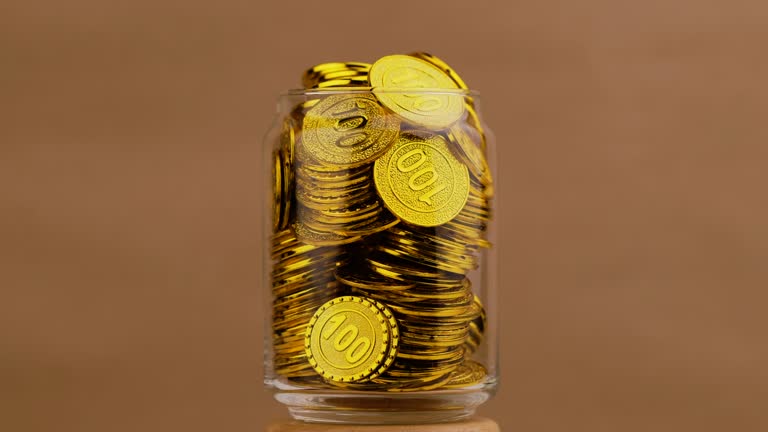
{"x": 336, "y": 75}
{"x": 433, "y": 310}
{"x": 303, "y": 277}
{"x": 381, "y": 203}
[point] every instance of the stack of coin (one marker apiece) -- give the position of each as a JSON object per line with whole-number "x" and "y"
{"x": 338, "y": 207}
{"x": 468, "y": 373}
{"x": 476, "y": 328}
{"x": 382, "y": 202}
{"x": 328, "y": 75}
{"x": 283, "y": 174}
{"x": 302, "y": 280}
{"x": 470, "y": 225}
{"x": 434, "y": 309}
{"x": 342, "y": 136}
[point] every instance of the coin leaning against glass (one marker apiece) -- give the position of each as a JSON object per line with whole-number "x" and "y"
{"x": 420, "y": 180}
{"x": 351, "y": 338}
{"x": 348, "y": 130}
{"x": 277, "y": 204}
{"x": 287, "y": 148}
{"x": 467, "y": 144}
{"x": 393, "y": 75}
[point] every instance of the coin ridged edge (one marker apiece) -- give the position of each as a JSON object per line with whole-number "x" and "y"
{"x": 380, "y": 358}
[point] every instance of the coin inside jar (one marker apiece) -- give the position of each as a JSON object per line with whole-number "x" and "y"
{"x": 351, "y": 338}
{"x": 348, "y": 130}
{"x": 442, "y": 66}
{"x": 278, "y": 189}
{"x": 393, "y": 75}
{"x": 420, "y": 180}
{"x": 331, "y": 74}
{"x": 382, "y": 199}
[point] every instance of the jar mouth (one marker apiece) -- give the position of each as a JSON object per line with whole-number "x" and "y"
{"x": 388, "y": 90}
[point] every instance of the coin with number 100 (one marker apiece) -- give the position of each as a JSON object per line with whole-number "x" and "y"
{"x": 351, "y": 339}
{"x": 420, "y": 180}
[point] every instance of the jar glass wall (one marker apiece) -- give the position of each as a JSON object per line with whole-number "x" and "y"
{"x": 380, "y": 264}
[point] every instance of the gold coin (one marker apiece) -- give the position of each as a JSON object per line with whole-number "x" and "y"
{"x": 413, "y": 256}
{"x": 298, "y": 299}
{"x": 482, "y": 320}
{"x": 350, "y": 338}
{"x": 313, "y": 76}
{"x": 317, "y": 238}
{"x": 399, "y": 270}
{"x": 346, "y": 74}
{"x": 393, "y": 75}
{"x": 394, "y": 334}
{"x": 420, "y": 180}
{"x": 319, "y": 200}
{"x": 419, "y": 354}
{"x": 348, "y": 130}
{"x": 467, "y": 374}
{"x": 353, "y": 277}
{"x": 277, "y": 204}
{"x": 289, "y": 348}
{"x": 382, "y": 222}
{"x": 466, "y": 143}
{"x": 457, "y": 260}
{"x": 431, "y": 313}
{"x": 313, "y": 262}
{"x": 443, "y": 66}
{"x": 476, "y": 328}
{"x": 331, "y": 66}
{"x": 325, "y": 184}
{"x": 473, "y": 120}
{"x": 344, "y": 82}
{"x": 288, "y": 144}
{"x": 309, "y": 381}
{"x": 301, "y": 109}
{"x": 432, "y": 342}
{"x": 405, "y": 385}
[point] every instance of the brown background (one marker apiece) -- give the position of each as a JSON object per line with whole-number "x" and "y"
{"x": 634, "y": 146}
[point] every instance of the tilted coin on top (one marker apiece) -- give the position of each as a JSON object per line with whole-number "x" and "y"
{"x": 443, "y": 66}
{"x": 392, "y": 76}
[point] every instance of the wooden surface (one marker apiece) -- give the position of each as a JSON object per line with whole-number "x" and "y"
{"x": 476, "y": 424}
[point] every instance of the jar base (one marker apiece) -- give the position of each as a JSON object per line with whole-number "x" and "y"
{"x": 381, "y": 408}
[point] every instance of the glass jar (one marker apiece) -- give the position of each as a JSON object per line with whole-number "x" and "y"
{"x": 380, "y": 269}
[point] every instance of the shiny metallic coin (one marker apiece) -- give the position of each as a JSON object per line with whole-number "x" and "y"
{"x": 287, "y": 149}
{"x": 466, "y": 144}
{"x": 348, "y": 130}
{"x": 420, "y": 180}
{"x": 442, "y": 66}
{"x": 277, "y": 203}
{"x": 361, "y": 81}
{"x": 308, "y": 235}
{"x": 350, "y": 338}
{"x": 392, "y": 76}
{"x": 467, "y": 374}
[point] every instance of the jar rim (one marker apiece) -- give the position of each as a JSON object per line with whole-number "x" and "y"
{"x": 373, "y": 90}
